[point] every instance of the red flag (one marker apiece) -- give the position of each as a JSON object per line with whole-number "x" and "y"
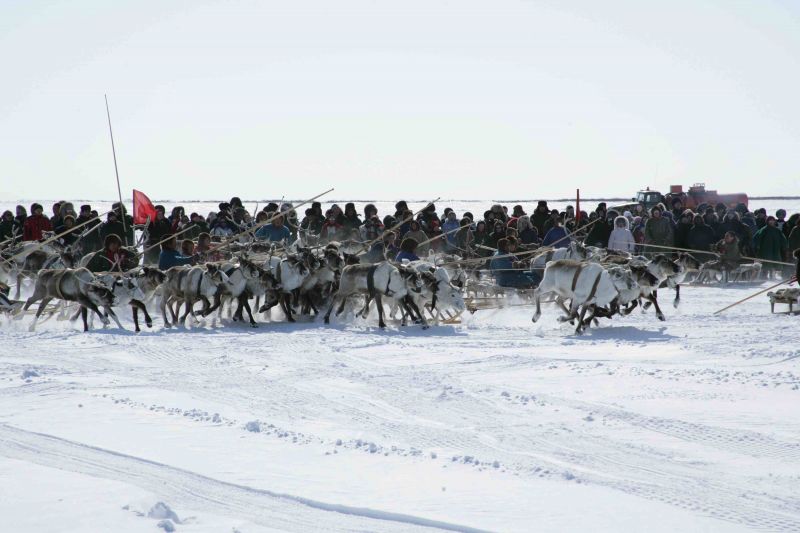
{"x": 142, "y": 208}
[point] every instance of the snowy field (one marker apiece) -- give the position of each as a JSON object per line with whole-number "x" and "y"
{"x": 494, "y": 424}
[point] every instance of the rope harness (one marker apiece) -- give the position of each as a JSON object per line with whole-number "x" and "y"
{"x": 57, "y": 279}
{"x": 594, "y": 285}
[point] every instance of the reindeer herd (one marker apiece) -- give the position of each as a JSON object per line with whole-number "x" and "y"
{"x": 585, "y": 283}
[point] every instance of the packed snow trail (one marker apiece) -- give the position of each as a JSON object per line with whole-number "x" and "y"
{"x": 280, "y": 511}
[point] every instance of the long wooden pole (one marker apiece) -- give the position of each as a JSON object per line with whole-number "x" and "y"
{"x": 269, "y": 220}
{"x": 754, "y": 295}
{"x": 54, "y": 237}
{"x": 116, "y": 172}
{"x": 165, "y": 239}
{"x": 369, "y": 244}
{"x": 520, "y": 254}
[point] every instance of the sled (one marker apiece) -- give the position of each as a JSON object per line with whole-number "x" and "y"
{"x": 790, "y": 297}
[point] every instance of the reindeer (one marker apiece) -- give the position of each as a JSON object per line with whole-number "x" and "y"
{"x": 321, "y": 282}
{"x": 437, "y": 292}
{"x": 72, "y": 285}
{"x": 41, "y": 259}
{"x": 686, "y": 263}
{"x": 246, "y": 280}
{"x": 290, "y": 272}
{"x": 375, "y": 281}
{"x": 190, "y": 285}
{"x": 586, "y": 285}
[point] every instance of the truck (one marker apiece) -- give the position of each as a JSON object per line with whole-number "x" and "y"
{"x": 691, "y": 199}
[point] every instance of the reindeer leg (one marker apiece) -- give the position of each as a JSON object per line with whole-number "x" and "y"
{"x": 579, "y": 329}
{"x": 287, "y": 306}
{"x": 342, "y": 305}
{"x": 365, "y": 310}
{"x": 631, "y": 306}
{"x": 111, "y": 312}
{"x": 135, "y": 311}
{"x": 330, "y": 308}
{"x": 538, "y": 313}
{"x": 84, "y": 315}
{"x": 39, "y": 312}
{"x": 167, "y": 323}
{"x": 188, "y": 304}
{"x": 422, "y": 319}
{"x": 654, "y": 300}
{"x": 246, "y": 304}
{"x": 677, "y": 300}
{"x": 379, "y": 303}
{"x": 148, "y": 320}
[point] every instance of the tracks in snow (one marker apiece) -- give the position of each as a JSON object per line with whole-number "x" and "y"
{"x": 194, "y": 491}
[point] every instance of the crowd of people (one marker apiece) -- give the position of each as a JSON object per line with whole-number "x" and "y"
{"x": 716, "y": 232}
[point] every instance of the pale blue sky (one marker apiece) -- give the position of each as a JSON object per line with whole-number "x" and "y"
{"x": 416, "y": 99}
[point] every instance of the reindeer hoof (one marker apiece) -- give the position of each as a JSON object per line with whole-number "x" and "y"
{"x": 382, "y": 325}
{"x": 661, "y": 317}
{"x": 253, "y": 325}
{"x": 137, "y": 330}
{"x": 327, "y": 320}
{"x": 149, "y": 324}
{"x": 676, "y": 303}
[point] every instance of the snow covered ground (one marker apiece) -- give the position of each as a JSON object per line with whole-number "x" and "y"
{"x": 495, "y": 424}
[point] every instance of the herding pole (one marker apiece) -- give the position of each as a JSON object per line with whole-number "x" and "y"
{"x": 754, "y": 295}
{"x": 116, "y": 171}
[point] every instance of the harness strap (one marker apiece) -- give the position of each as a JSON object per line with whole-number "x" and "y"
{"x": 58, "y": 279}
{"x": 594, "y": 286}
{"x": 576, "y": 276}
{"x": 181, "y": 275}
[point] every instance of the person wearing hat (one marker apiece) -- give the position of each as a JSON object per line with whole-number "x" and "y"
{"x": 7, "y": 227}
{"x": 170, "y": 257}
{"x": 770, "y": 245}
{"x": 112, "y": 226}
{"x": 157, "y": 229}
{"x": 540, "y": 216}
{"x": 400, "y": 208}
{"x": 91, "y": 241}
{"x": 113, "y": 257}
{"x": 36, "y": 224}
{"x": 407, "y": 250}
{"x": 195, "y": 227}
{"x": 677, "y": 208}
{"x": 274, "y": 231}
{"x": 556, "y": 235}
{"x": 371, "y": 229}
{"x": 658, "y": 230}
{"x": 127, "y": 221}
{"x": 508, "y": 270}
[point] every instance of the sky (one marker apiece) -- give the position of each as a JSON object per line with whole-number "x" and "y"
{"x": 413, "y": 99}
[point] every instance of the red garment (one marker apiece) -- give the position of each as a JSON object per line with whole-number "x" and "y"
{"x": 34, "y": 226}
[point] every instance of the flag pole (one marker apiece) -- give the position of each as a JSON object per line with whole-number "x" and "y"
{"x": 116, "y": 172}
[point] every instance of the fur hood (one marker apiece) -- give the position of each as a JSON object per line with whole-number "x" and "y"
{"x": 617, "y": 220}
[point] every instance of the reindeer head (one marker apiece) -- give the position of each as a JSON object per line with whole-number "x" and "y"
{"x": 687, "y": 262}
{"x": 100, "y": 295}
{"x": 128, "y": 289}
{"x": 250, "y": 270}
